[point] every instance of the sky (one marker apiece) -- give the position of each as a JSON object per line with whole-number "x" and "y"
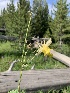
{"x": 3, "y": 4}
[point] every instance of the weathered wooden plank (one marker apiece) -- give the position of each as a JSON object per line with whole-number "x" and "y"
{"x": 10, "y": 38}
{"x": 33, "y": 80}
{"x": 61, "y": 57}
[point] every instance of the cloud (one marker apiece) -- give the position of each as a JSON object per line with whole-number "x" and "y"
{"x": 3, "y": 4}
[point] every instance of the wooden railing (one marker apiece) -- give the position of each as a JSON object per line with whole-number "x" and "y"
{"x": 34, "y": 80}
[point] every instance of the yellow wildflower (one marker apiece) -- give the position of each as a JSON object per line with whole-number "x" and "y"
{"x": 44, "y": 48}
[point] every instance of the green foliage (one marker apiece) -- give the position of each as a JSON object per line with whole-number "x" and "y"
{"x": 13, "y": 91}
{"x": 16, "y": 91}
{"x": 9, "y": 19}
{"x": 15, "y": 20}
{"x": 6, "y": 47}
{"x": 8, "y": 53}
{"x": 60, "y": 23}
{"x": 40, "y": 18}
{"x": 22, "y": 18}
{"x": 64, "y": 90}
{"x": 2, "y": 24}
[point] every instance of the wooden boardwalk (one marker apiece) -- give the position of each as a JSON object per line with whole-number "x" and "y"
{"x": 33, "y": 80}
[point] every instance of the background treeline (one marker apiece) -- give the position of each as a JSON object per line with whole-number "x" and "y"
{"x": 55, "y": 25}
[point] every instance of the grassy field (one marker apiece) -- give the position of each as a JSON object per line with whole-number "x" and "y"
{"x": 9, "y": 52}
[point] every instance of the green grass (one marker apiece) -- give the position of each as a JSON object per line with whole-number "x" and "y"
{"x": 9, "y": 54}
{"x": 5, "y": 62}
{"x": 64, "y": 90}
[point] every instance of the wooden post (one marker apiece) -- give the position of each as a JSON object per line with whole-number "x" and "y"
{"x": 61, "y": 57}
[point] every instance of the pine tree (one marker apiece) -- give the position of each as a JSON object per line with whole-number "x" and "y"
{"x": 60, "y": 20}
{"x": 2, "y": 21}
{"x": 22, "y": 18}
{"x": 40, "y": 18}
{"x": 9, "y": 19}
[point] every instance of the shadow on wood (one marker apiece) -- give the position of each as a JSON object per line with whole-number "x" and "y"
{"x": 34, "y": 80}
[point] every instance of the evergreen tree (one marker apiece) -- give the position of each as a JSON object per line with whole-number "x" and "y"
{"x": 22, "y": 18}
{"x": 50, "y": 27}
{"x": 9, "y": 19}
{"x": 40, "y": 18}
{"x": 2, "y": 21}
{"x": 66, "y": 33}
{"x": 60, "y": 20}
